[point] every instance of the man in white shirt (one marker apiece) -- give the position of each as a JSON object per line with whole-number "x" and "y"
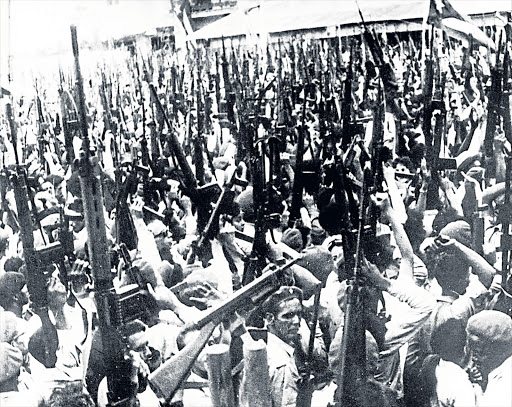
{"x": 287, "y": 342}
{"x": 489, "y": 341}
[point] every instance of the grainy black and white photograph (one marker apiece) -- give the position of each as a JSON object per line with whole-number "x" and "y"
{"x": 255, "y": 203}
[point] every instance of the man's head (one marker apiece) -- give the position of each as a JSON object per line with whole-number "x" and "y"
{"x": 13, "y": 292}
{"x": 448, "y": 339}
{"x": 13, "y": 264}
{"x": 317, "y": 260}
{"x": 451, "y": 275}
{"x": 282, "y": 311}
{"x": 489, "y": 339}
{"x": 451, "y": 271}
{"x": 137, "y": 339}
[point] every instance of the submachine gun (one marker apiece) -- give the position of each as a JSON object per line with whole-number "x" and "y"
{"x": 115, "y": 307}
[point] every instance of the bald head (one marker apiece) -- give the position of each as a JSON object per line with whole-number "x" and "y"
{"x": 490, "y": 338}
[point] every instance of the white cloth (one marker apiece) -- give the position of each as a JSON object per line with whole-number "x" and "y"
{"x": 453, "y": 387}
{"x": 146, "y": 399}
{"x": 499, "y": 388}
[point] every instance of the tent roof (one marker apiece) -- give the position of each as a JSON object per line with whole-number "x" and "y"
{"x": 276, "y": 16}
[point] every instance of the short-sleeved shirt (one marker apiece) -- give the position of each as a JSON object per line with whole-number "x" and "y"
{"x": 499, "y": 390}
{"x": 450, "y": 306}
{"x": 284, "y": 376}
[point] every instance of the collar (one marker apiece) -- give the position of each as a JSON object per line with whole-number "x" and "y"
{"x": 273, "y": 339}
{"x": 449, "y": 296}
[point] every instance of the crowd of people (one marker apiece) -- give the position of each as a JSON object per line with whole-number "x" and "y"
{"x": 432, "y": 269}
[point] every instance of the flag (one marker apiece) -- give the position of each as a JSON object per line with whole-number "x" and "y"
{"x": 441, "y": 14}
{"x": 439, "y": 10}
{"x": 184, "y": 17}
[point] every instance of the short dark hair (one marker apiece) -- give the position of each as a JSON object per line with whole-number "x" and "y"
{"x": 72, "y": 394}
{"x": 13, "y": 264}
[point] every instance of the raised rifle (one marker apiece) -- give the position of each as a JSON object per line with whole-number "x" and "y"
{"x": 298, "y": 180}
{"x": 125, "y": 230}
{"x": 217, "y": 82}
{"x": 223, "y": 205}
{"x": 114, "y": 307}
{"x": 259, "y": 251}
{"x": 228, "y": 88}
{"x": 507, "y": 86}
{"x": 170, "y": 376}
{"x": 42, "y": 134}
{"x": 203, "y": 211}
{"x": 346, "y": 109}
{"x": 36, "y": 274}
{"x": 506, "y": 237}
{"x": 352, "y": 374}
{"x": 432, "y": 101}
{"x": 200, "y": 195}
{"x": 69, "y": 120}
{"x": 106, "y": 101}
{"x": 276, "y": 142}
{"x": 377, "y": 144}
{"x": 493, "y": 114}
{"x": 196, "y": 138}
{"x": 306, "y": 386}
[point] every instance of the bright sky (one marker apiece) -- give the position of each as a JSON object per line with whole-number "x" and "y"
{"x": 39, "y": 28}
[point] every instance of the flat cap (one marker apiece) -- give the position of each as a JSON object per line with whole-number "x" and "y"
{"x": 284, "y": 293}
